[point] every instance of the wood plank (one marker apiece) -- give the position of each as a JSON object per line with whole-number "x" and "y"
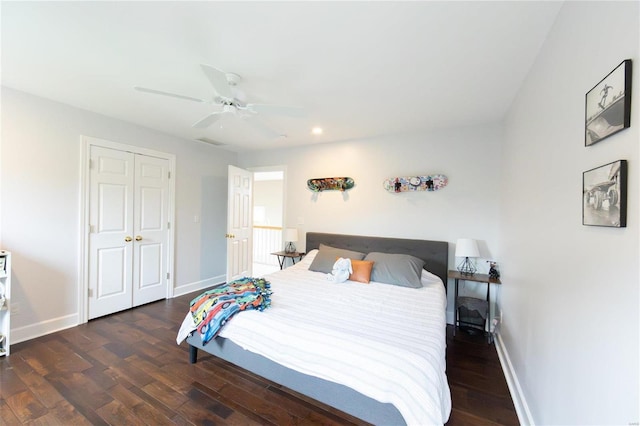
{"x": 483, "y": 405}
{"x": 63, "y": 414}
{"x": 211, "y": 404}
{"x": 66, "y": 414}
{"x": 316, "y": 411}
{"x": 10, "y": 382}
{"x": 251, "y": 406}
{"x": 82, "y": 338}
{"x": 44, "y": 392}
{"x": 26, "y": 406}
{"x": 197, "y": 415}
{"x": 81, "y": 401}
{"x": 158, "y": 404}
{"x": 139, "y": 407}
{"x": 167, "y": 376}
{"x": 7, "y": 415}
{"x": 165, "y": 395}
{"x": 115, "y": 413}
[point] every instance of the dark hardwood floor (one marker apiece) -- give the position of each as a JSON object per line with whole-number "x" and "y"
{"x": 126, "y": 369}
{"x": 479, "y": 391}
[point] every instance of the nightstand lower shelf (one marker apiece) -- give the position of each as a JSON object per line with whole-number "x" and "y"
{"x": 471, "y": 312}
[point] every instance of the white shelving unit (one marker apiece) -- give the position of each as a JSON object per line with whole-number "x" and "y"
{"x": 5, "y": 299}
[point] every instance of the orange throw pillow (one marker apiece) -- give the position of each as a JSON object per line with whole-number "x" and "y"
{"x": 361, "y": 270}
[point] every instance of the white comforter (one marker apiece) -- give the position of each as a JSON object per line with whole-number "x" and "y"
{"x": 386, "y": 342}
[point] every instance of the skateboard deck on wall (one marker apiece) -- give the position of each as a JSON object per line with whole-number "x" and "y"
{"x": 415, "y": 183}
{"x": 330, "y": 184}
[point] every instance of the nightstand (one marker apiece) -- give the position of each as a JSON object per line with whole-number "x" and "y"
{"x": 472, "y": 304}
{"x": 282, "y": 256}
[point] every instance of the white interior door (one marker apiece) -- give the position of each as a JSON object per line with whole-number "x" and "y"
{"x": 128, "y": 239}
{"x": 151, "y": 208}
{"x": 111, "y": 230}
{"x": 239, "y": 223}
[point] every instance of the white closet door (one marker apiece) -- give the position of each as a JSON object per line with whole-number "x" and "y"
{"x": 111, "y": 223}
{"x": 151, "y": 210}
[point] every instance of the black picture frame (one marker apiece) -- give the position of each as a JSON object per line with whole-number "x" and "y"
{"x": 604, "y": 195}
{"x": 608, "y": 105}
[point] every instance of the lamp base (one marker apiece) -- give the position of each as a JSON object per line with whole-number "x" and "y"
{"x": 466, "y": 267}
{"x": 290, "y": 248}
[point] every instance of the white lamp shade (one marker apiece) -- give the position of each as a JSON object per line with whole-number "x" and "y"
{"x": 290, "y": 234}
{"x": 466, "y": 247}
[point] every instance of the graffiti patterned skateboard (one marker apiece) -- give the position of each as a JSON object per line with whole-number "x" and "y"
{"x": 415, "y": 183}
{"x": 330, "y": 184}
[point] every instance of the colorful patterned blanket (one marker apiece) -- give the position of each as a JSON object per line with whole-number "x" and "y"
{"x": 213, "y": 308}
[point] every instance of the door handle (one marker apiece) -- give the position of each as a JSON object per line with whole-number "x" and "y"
{"x": 229, "y": 236}
{"x": 128, "y": 239}
{"x": 138, "y": 238}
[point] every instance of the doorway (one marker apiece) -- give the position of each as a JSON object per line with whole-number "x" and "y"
{"x": 268, "y": 218}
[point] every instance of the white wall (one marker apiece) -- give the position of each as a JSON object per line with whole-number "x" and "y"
{"x": 40, "y": 174}
{"x": 570, "y": 293}
{"x": 467, "y": 208}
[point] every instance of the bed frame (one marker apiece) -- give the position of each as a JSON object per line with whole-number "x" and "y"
{"x": 436, "y": 256}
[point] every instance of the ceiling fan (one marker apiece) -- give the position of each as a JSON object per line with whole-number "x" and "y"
{"x": 230, "y": 99}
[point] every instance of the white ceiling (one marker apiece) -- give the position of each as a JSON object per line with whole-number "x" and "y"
{"x": 359, "y": 69}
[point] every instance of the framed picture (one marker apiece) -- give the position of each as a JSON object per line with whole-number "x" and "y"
{"x": 604, "y": 195}
{"x": 608, "y": 105}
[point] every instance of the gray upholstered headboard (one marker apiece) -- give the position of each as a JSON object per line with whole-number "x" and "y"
{"x": 434, "y": 253}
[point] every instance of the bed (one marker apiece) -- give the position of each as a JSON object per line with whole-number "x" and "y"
{"x": 385, "y": 372}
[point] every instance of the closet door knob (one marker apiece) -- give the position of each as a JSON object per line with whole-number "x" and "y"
{"x": 138, "y": 238}
{"x": 128, "y": 239}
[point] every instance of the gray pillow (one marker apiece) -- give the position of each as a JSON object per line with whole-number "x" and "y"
{"x": 398, "y": 269}
{"x": 327, "y": 256}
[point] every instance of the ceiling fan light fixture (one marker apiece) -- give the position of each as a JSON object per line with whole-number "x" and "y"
{"x": 233, "y": 79}
{"x": 316, "y": 131}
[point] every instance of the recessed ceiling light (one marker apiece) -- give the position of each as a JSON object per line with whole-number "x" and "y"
{"x": 316, "y": 130}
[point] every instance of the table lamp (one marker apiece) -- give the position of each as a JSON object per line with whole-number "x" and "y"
{"x": 290, "y": 236}
{"x": 466, "y": 247}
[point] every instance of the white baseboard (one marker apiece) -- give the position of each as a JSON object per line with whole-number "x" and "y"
{"x": 519, "y": 401}
{"x": 198, "y": 285}
{"x": 22, "y": 334}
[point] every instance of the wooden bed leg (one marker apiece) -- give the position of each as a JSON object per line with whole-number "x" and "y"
{"x": 193, "y": 354}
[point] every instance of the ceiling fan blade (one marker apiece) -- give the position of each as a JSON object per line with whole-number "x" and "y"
{"x": 207, "y": 120}
{"x": 262, "y": 128}
{"x": 173, "y": 95}
{"x": 277, "y": 110}
{"x": 218, "y": 80}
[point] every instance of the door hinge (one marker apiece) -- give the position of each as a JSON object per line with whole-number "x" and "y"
{"x": 168, "y": 275}
{"x": 90, "y": 164}
{"x": 90, "y": 293}
{"x": 169, "y": 174}
{"x": 168, "y": 225}
{"x": 92, "y": 229}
